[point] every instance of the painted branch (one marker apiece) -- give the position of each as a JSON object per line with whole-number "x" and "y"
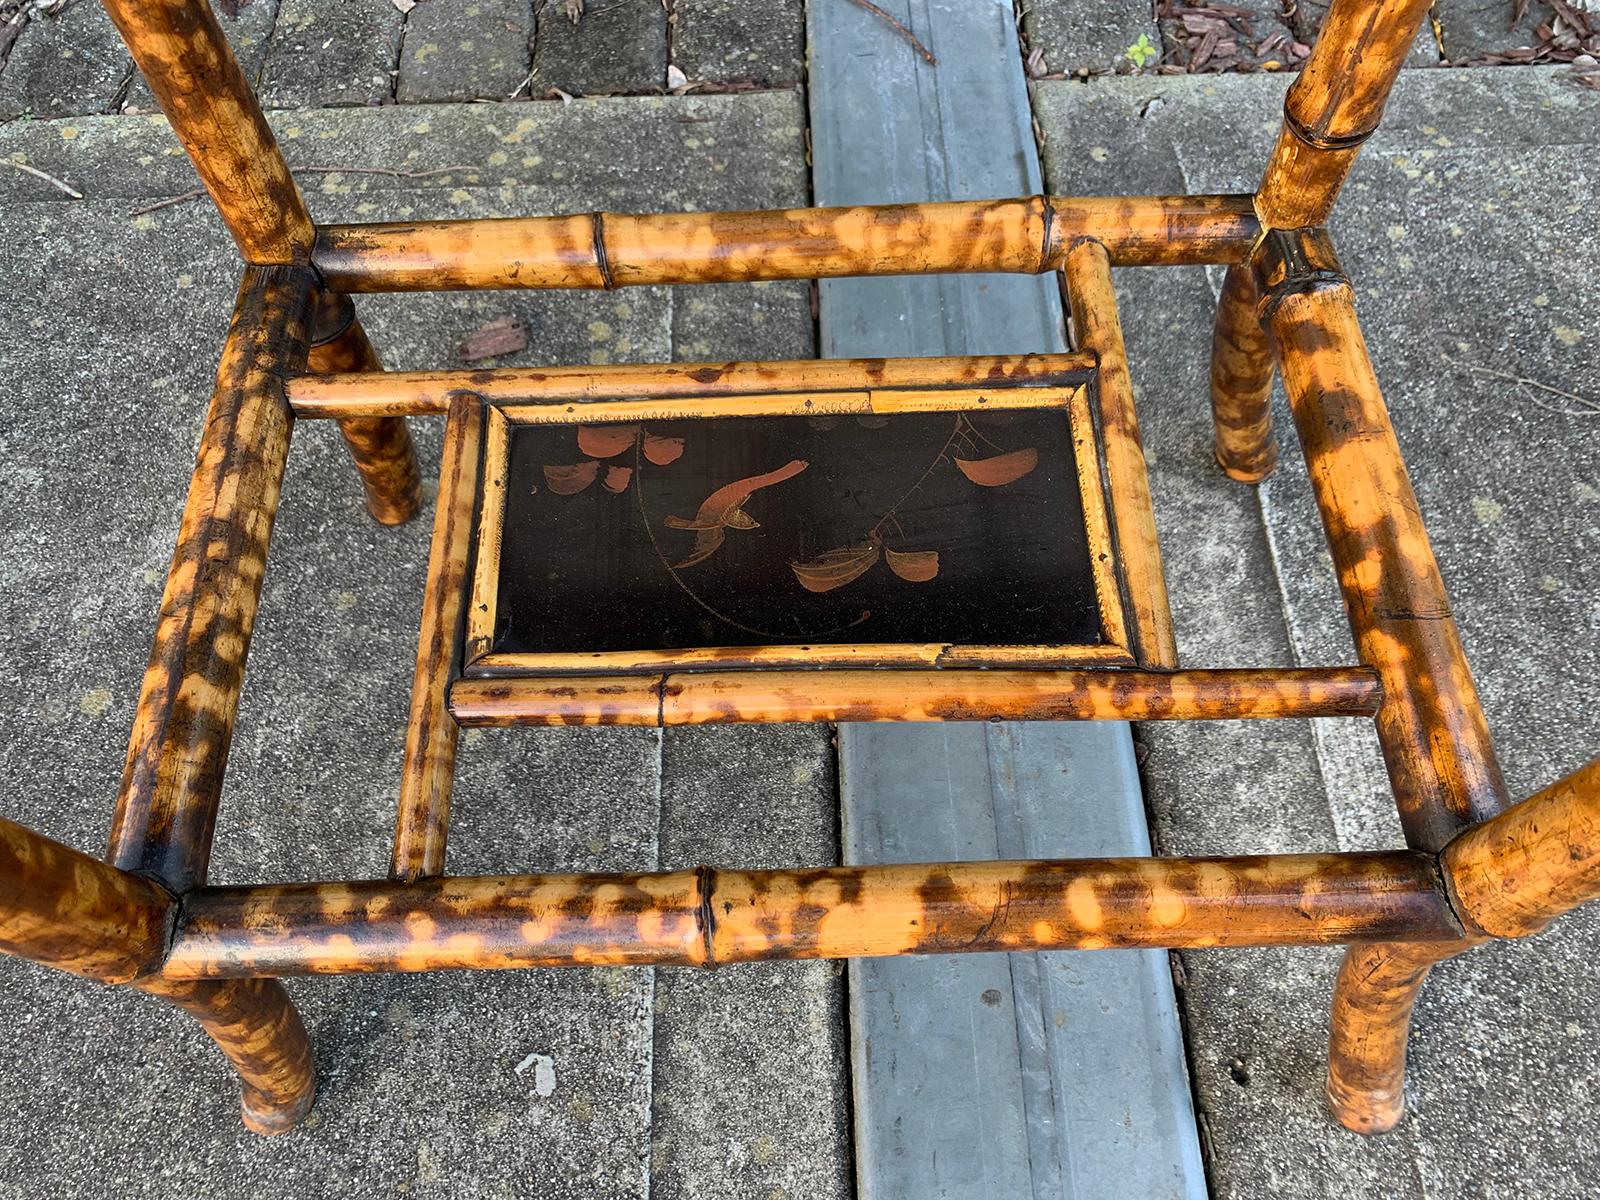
{"x": 1241, "y": 382}
{"x": 429, "y": 771}
{"x": 380, "y": 446}
{"x": 1371, "y": 1023}
{"x": 182, "y": 728}
{"x": 254, "y": 1023}
{"x": 704, "y": 916}
{"x": 66, "y": 910}
{"x": 1334, "y": 105}
{"x": 1517, "y": 872}
{"x": 1435, "y": 740}
{"x": 604, "y": 250}
{"x": 184, "y": 55}
{"x": 695, "y": 698}
{"x": 414, "y": 393}
{"x": 1094, "y": 318}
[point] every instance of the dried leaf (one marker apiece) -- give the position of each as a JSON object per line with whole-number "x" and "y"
{"x": 573, "y": 9}
{"x": 618, "y": 478}
{"x": 1001, "y": 469}
{"x": 404, "y": 6}
{"x": 503, "y": 335}
{"x": 835, "y": 568}
{"x": 677, "y": 81}
{"x": 570, "y": 480}
{"x": 914, "y": 566}
{"x": 604, "y": 441}
{"x": 662, "y": 450}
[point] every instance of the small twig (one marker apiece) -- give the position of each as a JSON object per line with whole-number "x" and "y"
{"x": 168, "y": 202}
{"x": 38, "y": 174}
{"x": 900, "y": 29}
{"x": 1587, "y": 407}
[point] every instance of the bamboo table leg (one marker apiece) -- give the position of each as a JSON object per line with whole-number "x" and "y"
{"x": 1241, "y": 382}
{"x": 380, "y": 446}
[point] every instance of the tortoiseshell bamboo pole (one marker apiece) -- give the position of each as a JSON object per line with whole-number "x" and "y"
{"x": 380, "y": 446}
{"x": 428, "y": 774}
{"x": 183, "y": 725}
{"x": 254, "y": 1023}
{"x": 1241, "y": 382}
{"x": 705, "y": 916}
{"x": 1507, "y": 877}
{"x": 1435, "y": 740}
{"x": 1094, "y": 318}
{"x": 190, "y": 67}
{"x": 1373, "y": 996}
{"x": 66, "y": 910}
{"x": 1517, "y": 872}
{"x": 1334, "y": 105}
{"x": 606, "y": 250}
{"x": 711, "y": 697}
{"x": 418, "y": 393}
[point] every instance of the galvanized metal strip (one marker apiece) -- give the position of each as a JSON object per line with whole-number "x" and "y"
{"x": 989, "y": 1075}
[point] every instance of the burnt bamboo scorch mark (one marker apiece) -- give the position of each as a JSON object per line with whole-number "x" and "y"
{"x": 380, "y": 446}
{"x": 183, "y": 53}
{"x": 183, "y": 725}
{"x": 1436, "y": 743}
{"x": 1027, "y": 235}
{"x": 1241, "y": 382}
{"x": 706, "y": 916}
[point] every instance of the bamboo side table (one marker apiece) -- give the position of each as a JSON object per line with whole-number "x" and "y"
{"x": 763, "y": 548}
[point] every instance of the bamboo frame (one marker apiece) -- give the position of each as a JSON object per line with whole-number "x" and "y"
{"x": 608, "y": 250}
{"x": 776, "y": 696}
{"x": 1475, "y": 870}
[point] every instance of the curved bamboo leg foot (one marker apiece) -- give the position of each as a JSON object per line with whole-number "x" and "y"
{"x": 255, "y": 1024}
{"x": 1372, "y": 1002}
{"x": 380, "y": 446}
{"x": 1241, "y": 382}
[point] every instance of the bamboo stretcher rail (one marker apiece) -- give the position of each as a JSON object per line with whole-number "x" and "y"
{"x": 420, "y": 393}
{"x": 1436, "y": 742}
{"x": 706, "y": 916}
{"x": 184, "y": 55}
{"x": 183, "y": 725}
{"x": 428, "y": 772}
{"x": 694, "y": 698}
{"x": 1098, "y": 330}
{"x": 1027, "y": 235}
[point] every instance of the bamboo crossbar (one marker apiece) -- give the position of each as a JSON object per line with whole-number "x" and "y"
{"x": 1026, "y": 235}
{"x": 776, "y": 696}
{"x": 428, "y": 393}
{"x": 706, "y": 916}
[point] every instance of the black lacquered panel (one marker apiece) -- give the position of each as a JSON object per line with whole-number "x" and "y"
{"x": 914, "y": 528}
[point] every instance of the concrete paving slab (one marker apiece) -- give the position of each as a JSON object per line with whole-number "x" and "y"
{"x": 332, "y": 52}
{"x": 764, "y": 798}
{"x": 724, "y": 41}
{"x": 612, "y": 48}
{"x": 65, "y": 65}
{"x": 1088, "y": 36}
{"x": 1465, "y": 231}
{"x": 248, "y": 28}
{"x": 481, "y": 49}
{"x": 421, "y": 1092}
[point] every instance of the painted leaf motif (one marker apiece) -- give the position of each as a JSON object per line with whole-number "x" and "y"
{"x": 835, "y": 568}
{"x": 872, "y": 421}
{"x": 617, "y": 478}
{"x": 1001, "y": 469}
{"x": 730, "y": 498}
{"x": 662, "y": 450}
{"x": 914, "y": 566}
{"x": 570, "y": 480}
{"x": 739, "y": 519}
{"x": 604, "y": 441}
{"x": 706, "y": 543}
